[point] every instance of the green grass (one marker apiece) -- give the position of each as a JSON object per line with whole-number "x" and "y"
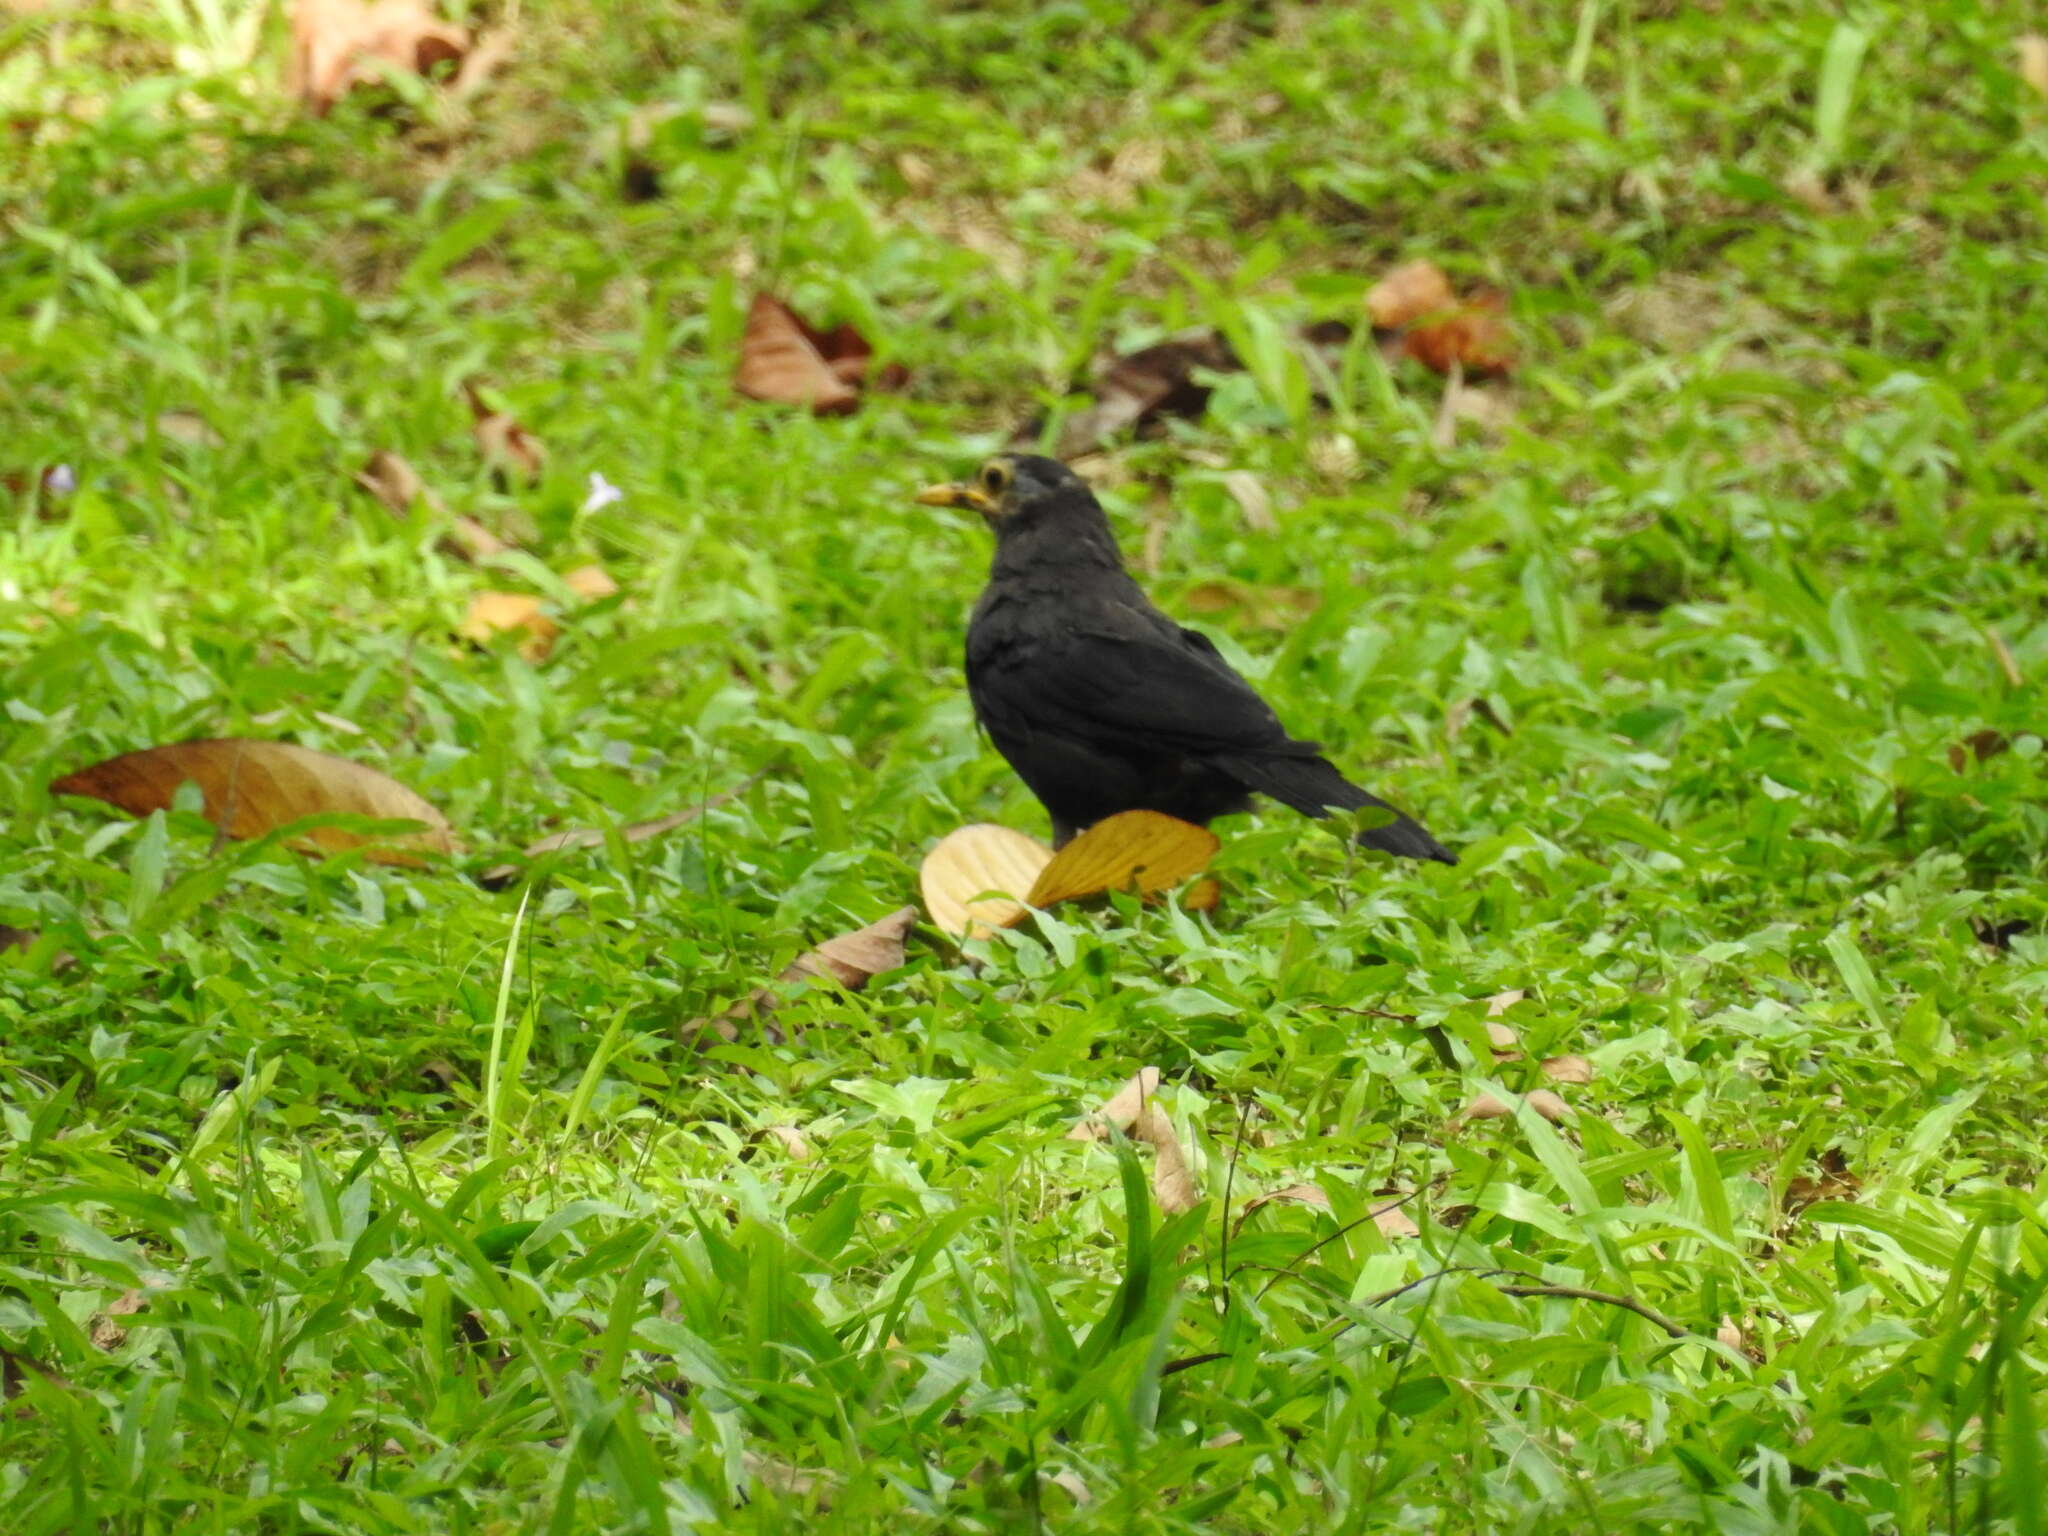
{"x": 1675, "y": 659}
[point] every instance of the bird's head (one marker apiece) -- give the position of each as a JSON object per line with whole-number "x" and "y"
{"x": 1030, "y": 500}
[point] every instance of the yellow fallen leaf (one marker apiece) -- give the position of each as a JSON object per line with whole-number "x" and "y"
{"x": 497, "y": 613}
{"x": 959, "y": 875}
{"x": 1133, "y": 849}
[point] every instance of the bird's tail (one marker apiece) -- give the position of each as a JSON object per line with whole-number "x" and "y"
{"x": 1312, "y": 786}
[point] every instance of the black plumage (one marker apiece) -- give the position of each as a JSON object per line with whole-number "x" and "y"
{"x": 1100, "y": 701}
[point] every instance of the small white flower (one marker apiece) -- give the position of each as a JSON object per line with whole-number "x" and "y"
{"x": 60, "y": 480}
{"x": 602, "y": 494}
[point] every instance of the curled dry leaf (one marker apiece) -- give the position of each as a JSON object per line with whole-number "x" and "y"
{"x": 592, "y": 837}
{"x": 1487, "y": 1107}
{"x": 1501, "y": 1002}
{"x": 1836, "y": 1182}
{"x": 1173, "y": 1186}
{"x": 787, "y": 361}
{"x": 1144, "y": 850}
{"x": 1415, "y": 290}
{"x": 970, "y": 879}
{"x": 791, "y": 1141}
{"x": 1568, "y": 1069}
{"x": 492, "y": 614}
{"x": 1121, "y": 1110}
{"x": 1978, "y": 747}
{"x": 509, "y": 449}
{"x": 340, "y": 44}
{"x": 1436, "y": 328}
{"x": 1729, "y": 1334}
{"x": 251, "y": 788}
{"x": 852, "y": 959}
{"x": 107, "y": 1331}
{"x": 1134, "y": 390}
{"x": 393, "y": 481}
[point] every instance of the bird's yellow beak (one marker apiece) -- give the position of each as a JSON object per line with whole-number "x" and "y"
{"x": 967, "y": 496}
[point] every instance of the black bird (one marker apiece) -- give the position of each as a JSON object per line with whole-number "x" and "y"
{"x": 1104, "y": 704}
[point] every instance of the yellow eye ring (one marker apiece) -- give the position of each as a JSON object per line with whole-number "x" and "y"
{"x": 995, "y": 477}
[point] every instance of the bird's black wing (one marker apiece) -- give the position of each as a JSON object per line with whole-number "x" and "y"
{"x": 1121, "y": 679}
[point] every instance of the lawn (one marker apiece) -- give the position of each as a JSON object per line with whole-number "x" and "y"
{"x": 356, "y": 1197}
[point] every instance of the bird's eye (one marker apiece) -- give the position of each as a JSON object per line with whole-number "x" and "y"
{"x": 994, "y": 478}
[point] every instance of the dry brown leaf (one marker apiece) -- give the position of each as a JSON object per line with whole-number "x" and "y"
{"x": 1439, "y": 330}
{"x": 509, "y": 449}
{"x": 1394, "y": 1221}
{"x": 1487, "y": 1107}
{"x": 791, "y": 1140}
{"x": 592, "y": 583}
{"x": 971, "y": 862}
{"x": 1413, "y": 291}
{"x": 106, "y": 1333}
{"x": 1568, "y": 1069}
{"x": 1173, "y": 1186}
{"x": 1503, "y": 1039}
{"x": 1729, "y": 1334}
{"x": 1203, "y": 895}
{"x": 471, "y": 540}
{"x": 787, "y": 361}
{"x": 15, "y": 938}
{"x": 393, "y": 481}
{"x": 1501, "y": 1002}
{"x": 852, "y": 959}
{"x": 1121, "y": 1110}
{"x": 254, "y": 787}
{"x": 492, "y": 614}
{"x": 340, "y": 44}
{"x": 1144, "y": 850}
{"x": 1138, "y": 388}
{"x": 2033, "y": 52}
{"x": 1977, "y": 747}
{"x": 1473, "y": 339}
{"x": 1836, "y": 1182}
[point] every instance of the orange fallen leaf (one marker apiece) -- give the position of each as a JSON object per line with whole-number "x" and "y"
{"x": 1144, "y": 850}
{"x": 506, "y": 446}
{"x": 492, "y": 614}
{"x": 251, "y": 788}
{"x": 1438, "y": 329}
{"x": 970, "y": 879}
{"x": 340, "y": 44}
{"x": 1203, "y": 895}
{"x": 785, "y": 360}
